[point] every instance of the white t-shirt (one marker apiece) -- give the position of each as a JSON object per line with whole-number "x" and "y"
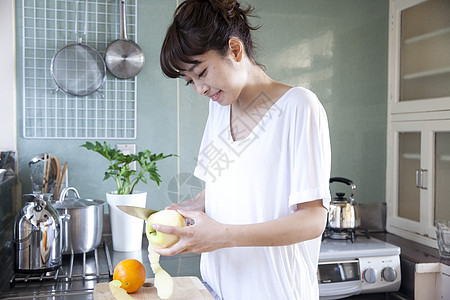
{"x": 285, "y": 160}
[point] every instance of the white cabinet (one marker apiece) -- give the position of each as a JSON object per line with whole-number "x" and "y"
{"x": 432, "y": 281}
{"x": 419, "y": 56}
{"x": 418, "y": 174}
{"x": 418, "y": 162}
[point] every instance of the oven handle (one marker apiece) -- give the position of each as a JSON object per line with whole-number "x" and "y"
{"x": 341, "y": 289}
{"x": 329, "y": 262}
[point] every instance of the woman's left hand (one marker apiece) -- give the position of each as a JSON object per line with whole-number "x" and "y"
{"x": 204, "y": 236}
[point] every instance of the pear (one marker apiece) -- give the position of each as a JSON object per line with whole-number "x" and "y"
{"x": 159, "y": 240}
{"x": 164, "y": 217}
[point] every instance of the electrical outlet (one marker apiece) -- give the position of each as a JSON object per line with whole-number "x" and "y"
{"x": 128, "y": 149}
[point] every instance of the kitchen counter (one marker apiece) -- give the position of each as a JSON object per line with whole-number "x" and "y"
{"x": 413, "y": 251}
{"x": 425, "y": 275}
{"x": 79, "y": 287}
{"x": 180, "y": 265}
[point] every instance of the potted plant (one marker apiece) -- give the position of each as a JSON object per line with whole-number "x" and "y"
{"x": 127, "y": 230}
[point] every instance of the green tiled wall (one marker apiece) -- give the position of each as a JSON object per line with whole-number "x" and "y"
{"x": 338, "y": 49}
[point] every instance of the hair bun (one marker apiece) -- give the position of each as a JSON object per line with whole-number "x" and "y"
{"x": 199, "y": 26}
{"x": 228, "y": 8}
{"x": 234, "y": 9}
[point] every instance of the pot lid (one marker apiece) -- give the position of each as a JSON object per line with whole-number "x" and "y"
{"x": 76, "y": 203}
{"x": 340, "y": 197}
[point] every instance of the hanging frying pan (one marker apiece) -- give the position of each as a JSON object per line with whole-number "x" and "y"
{"x": 123, "y": 57}
{"x": 78, "y": 69}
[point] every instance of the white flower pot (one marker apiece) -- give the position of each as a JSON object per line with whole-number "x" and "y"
{"x": 126, "y": 230}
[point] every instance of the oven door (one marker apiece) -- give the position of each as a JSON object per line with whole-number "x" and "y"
{"x": 339, "y": 279}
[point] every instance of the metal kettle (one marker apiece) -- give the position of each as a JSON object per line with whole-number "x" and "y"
{"x": 37, "y": 236}
{"x": 343, "y": 213}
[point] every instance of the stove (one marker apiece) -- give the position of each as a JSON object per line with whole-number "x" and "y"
{"x": 75, "y": 279}
{"x": 357, "y": 265}
{"x": 78, "y": 274}
{"x": 345, "y": 234}
{"x": 87, "y": 267}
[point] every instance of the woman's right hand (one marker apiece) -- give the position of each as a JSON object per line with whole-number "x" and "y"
{"x": 204, "y": 235}
{"x": 194, "y": 204}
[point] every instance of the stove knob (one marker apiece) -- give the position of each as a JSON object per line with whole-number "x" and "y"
{"x": 370, "y": 275}
{"x": 389, "y": 274}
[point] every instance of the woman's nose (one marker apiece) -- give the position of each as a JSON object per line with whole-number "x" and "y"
{"x": 203, "y": 89}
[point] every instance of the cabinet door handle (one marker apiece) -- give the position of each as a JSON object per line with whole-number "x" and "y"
{"x": 422, "y": 186}
{"x": 417, "y": 178}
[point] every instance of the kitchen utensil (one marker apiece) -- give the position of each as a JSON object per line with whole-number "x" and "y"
{"x": 44, "y": 172}
{"x": 60, "y": 180}
{"x": 63, "y": 174}
{"x": 56, "y": 167}
{"x": 78, "y": 69}
{"x": 123, "y": 57}
{"x": 36, "y": 165}
{"x": 82, "y": 222}
{"x": 138, "y": 212}
{"x": 38, "y": 168}
{"x": 36, "y": 237}
{"x": 47, "y": 171}
{"x": 343, "y": 212}
{"x": 189, "y": 287}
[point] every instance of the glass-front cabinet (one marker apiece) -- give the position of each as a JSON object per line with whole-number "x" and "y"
{"x": 418, "y": 178}
{"x": 418, "y": 153}
{"x": 420, "y": 55}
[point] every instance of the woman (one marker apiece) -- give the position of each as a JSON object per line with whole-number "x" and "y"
{"x": 264, "y": 157}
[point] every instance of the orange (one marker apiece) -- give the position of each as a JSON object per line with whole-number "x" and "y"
{"x": 131, "y": 273}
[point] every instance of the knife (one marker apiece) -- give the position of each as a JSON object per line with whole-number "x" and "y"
{"x": 138, "y": 212}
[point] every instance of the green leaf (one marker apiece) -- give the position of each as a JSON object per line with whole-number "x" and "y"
{"x": 119, "y": 166}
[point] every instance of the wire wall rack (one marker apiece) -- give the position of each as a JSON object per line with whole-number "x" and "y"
{"x": 49, "y": 25}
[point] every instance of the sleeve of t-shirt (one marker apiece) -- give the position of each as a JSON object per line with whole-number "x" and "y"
{"x": 312, "y": 154}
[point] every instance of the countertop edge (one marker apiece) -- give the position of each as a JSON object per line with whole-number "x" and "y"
{"x": 413, "y": 251}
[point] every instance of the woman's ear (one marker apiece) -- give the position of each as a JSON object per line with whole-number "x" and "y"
{"x": 236, "y": 48}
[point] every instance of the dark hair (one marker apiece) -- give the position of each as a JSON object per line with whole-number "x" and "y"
{"x": 202, "y": 25}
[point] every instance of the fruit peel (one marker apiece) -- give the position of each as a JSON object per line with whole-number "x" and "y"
{"x": 163, "y": 284}
{"x": 156, "y": 267}
{"x": 118, "y": 292}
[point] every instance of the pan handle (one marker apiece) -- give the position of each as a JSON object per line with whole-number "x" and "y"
{"x": 83, "y": 35}
{"x": 123, "y": 20}
{"x": 76, "y": 22}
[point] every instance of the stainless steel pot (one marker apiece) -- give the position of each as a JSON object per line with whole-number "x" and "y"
{"x": 343, "y": 213}
{"x": 82, "y": 222}
{"x": 36, "y": 237}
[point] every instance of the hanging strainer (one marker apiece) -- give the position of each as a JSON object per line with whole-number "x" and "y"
{"x": 78, "y": 69}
